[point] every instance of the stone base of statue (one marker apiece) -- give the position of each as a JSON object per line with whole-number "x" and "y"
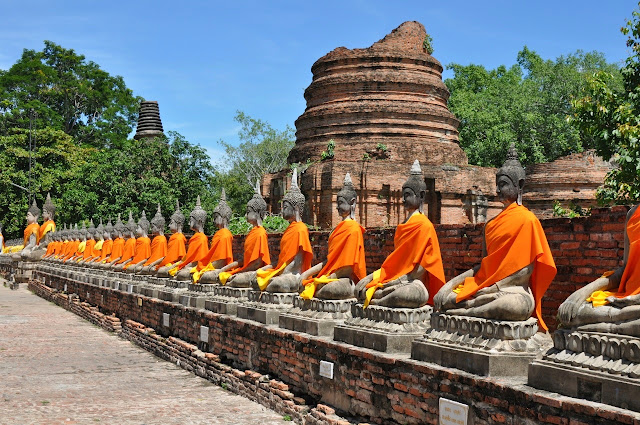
{"x": 481, "y": 346}
{"x": 593, "y": 366}
{"x": 385, "y": 329}
{"x": 316, "y": 316}
{"x": 225, "y": 299}
{"x": 25, "y": 271}
{"x": 151, "y": 286}
{"x": 265, "y": 307}
{"x": 196, "y": 295}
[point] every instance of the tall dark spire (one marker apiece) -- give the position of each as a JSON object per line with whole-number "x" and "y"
{"x": 149, "y": 123}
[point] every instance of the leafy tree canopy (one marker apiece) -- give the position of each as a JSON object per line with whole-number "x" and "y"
{"x": 527, "y": 104}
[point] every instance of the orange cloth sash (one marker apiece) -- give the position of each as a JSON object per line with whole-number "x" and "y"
{"x": 220, "y": 249}
{"x": 158, "y": 249}
{"x": 47, "y": 226}
{"x": 142, "y": 251}
{"x": 198, "y": 247}
{"x": 346, "y": 248}
{"x": 128, "y": 250}
{"x": 175, "y": 249}
{"x": 295, "y": 239}
{"x": 73, "y": 247}
{"x": 51, "y": 248}
{"x": 514, "y": 239}
{"x": 88, "y": 250}
{"x": 107, "y": 247}
{"x": 117, "y": 249}
{"x": 630, "y": 282}
{"x": 32, "y": 229}
{"x": 415, "y": 242}
{"x": 255, "y": 247}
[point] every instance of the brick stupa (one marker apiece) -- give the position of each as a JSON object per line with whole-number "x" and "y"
{"x": 384, "y": 107}
{"x": 149, "y": 123}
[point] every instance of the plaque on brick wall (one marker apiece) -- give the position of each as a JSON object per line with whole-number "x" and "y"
{"x": 165, "y": 319}
{"x": 204, "y": 333}
{"x": 326, "y": 369}
{"x": 452, "y": 412}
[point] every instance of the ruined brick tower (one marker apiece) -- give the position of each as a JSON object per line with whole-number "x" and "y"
{"x": 149, "y": 123}
{"x": 383, "y": 107}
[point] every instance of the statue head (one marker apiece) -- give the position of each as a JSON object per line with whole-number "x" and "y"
{"x": 143, "y": 225}
{"x": 510, "y": 179}
{"x": 197, "y": 217}
{"x": 48, "y": 209}
{"x": 108, "y": 230}
{"x": 119, "y": 228}
{"x": 131, "y": 225}
{"x": 414, "y": 189}
{"x": 222, "y": 212}
{"x": 293, "y": 201}
{"x": 100, "y": 231}
{"x": 83, "y": 232}
{"x": 91, "y": 231}
{"x": 157, "y": 223}
{"x": 33, "y": 213}
{"x": 256, "y": 207}
{"x": 347, "y": 198}
{"x": 76, "y": 233}
{"x": 177, "y": 219}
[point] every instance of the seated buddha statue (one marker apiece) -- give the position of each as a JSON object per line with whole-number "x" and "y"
{"x": 335, "y": 278}
{"x": 129, "y": 248}
{"x": 158, "y": 245}
{"x": 295, "y": 249}
{"x": 413, "y": 273}
{"x": 90, "y": 243}
{"x": 198, "y": 245}
{"x": 220, "y": 253}
{"x": 117, "y": 246}
{"x": 92, "y": 251}
{"x": 48, "y": 227}
{"x": 256, "y": 249}
{"x": 176, "y": 247}
{"x": 81, "y": 236}
{"x": 517, "y": 266}
{"x": 31, "y": 232}
{"x": 610, "y": 303}
{"x": 142, "y": 250}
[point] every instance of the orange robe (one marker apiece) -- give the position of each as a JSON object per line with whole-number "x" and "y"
{"x": 88, "y": 250}
{"x": 198, "y": 244}
{"x": 158, "y": 249}
{"x": 415, "y": 242}
{"x": 513, "y": 240}
{"x": 175, "y": 249}
{"x": 107, "y": 247}
{"x": 47, "y": 226}
{"x": 220, "y": 249}
{"x": 32, "y": 229}
{"x": 73, "y": 247}
{"x": 630, "y": 282}
{"x": 128, "y": 251}
{"x": 51, "y": 248}
{"x": 117, "y": 249}
{"x": 295, "y": 239}
{"x": 346, "y": 248}
{"x": 142, "y": 251}
{"x": 255, "y": 247}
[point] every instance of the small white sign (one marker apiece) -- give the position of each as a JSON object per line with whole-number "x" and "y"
{"x": 453, "y": 413}
{"x": 165, "y": 319}
{"x": 204, "y": 333}
{"x": 326, "y": 369}
{"x": 65, "y": 287}
{"x": 129, "y": 288}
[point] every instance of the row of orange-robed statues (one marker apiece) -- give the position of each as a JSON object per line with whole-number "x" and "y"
{"x": 515, "y": 272}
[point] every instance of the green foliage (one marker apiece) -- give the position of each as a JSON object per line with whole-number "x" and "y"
{"x": 238, "y": 225}
{"x": 381, "y": 147}
{"x": 527, "y": 103}
{"x": 573, "y": 211}
{"x": 610, "y": 116}
{"x": 427, "y": 44}
{"x": 329, "y": 153}
{"x": 68, "y": 93}
{"x": 287, "y": 418}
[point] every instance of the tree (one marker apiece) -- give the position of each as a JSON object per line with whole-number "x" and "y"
{"x": 610, "y": 116}
{"x": 527, "y": 104}
{"x": 68, "y": 93}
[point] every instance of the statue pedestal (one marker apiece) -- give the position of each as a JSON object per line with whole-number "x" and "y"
{"x": 151, "y": 286}
{"x": 593, "y": 366}
{"x": 225, "y": 299}
{"x": 265, "y": 307}
{"x": 385, "y": 329}
{"x": 316, "y": 316}
{"x": 481, "y": 346}
{"x": 25, "y": 271}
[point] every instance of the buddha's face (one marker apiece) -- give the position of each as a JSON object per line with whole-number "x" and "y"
{"x": 343, "y": 206}
{"x": 139, "y": 231}
{"x": 155, "y": 230}
{"x": 173, "y": 226}
{"x": 252, "y": 217}
{"x": 193, "y": 223}
{"x": 31, "y": 218}
{"x": 410, "y": 199}
{"x": 219, "y": 220}
{"x": 106, "y": 235}
{"x": 506, "y": 189}
{"x": 288, "y": 211}
{"x": 46, "y": 215}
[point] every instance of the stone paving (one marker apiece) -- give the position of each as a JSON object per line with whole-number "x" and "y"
{"x": 56, "y": 368}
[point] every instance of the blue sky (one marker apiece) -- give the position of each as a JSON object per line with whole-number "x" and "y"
{"x": 203, "y": 60}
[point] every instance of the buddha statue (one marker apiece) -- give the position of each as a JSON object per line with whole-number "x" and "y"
{"x": 220, "y": 253}
{"x": 31, "y": 232}
{"x": 70, "y": 245}
{"x": 48, "y": 226}
{"x": 2, "y": 243}
{"x": 517, "y": 266}
{"x": 129, "y": 249}
{"x": 143, "y": 246}
{"x": 413, "y": 273}
{"x": 611, "y": 303}
{"x": 176, "y": 247}
{"x": 197, "y": 247}
{"x": 107, "y": 245}
{"x": 256, "y": 249}
{"x": 96, "y": 251}
{"x": 158, "y": 245}
{"x": 335, "y": 278}
{"x": 90, "y": 244}
{"x": 81, "y": 237}
{"x": 295, "y": 248}
{"x": 117, "y": 248}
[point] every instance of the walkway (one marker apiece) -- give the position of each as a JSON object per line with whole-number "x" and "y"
{"x": 56, "y": 368}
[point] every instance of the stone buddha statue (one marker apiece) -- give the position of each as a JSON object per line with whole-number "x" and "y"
{"x": 96, "y": 251}
{"x": 256, "y": 249}
{"x": 413, "y": 273}
{"x": 81, "y": 238}
{"x": 129, "y": 249}
{"x": 158, "y": 245}
{"x": 48, "y": 226}
{"x": 176, "y": 248}
{"x": 107, "y": 244}
{"x": 142, "y": 250}
{"x": 197, "y": 247}
{"x": 295, "y": 248}
{"x": 220, "y": 253}
{"x": 117, "y": 247}
{"x": 335, "y": 278}
{"x": 91, "y": 240}
{"x": 31, "y": 232}
{"x": 610, "y": 303}
{"x": 74, "y": 242}
{"x": 517, "y": 266}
